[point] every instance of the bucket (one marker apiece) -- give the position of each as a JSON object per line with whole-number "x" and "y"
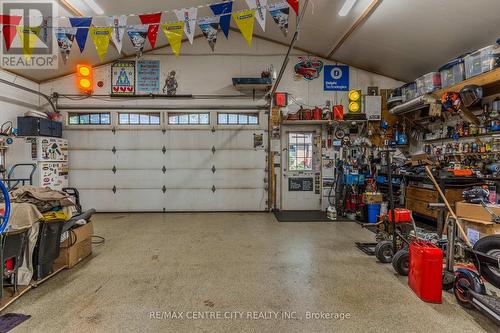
{"x": 373, "y": 212}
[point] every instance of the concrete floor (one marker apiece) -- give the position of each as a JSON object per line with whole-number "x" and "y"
{"x": 230, "y": 264}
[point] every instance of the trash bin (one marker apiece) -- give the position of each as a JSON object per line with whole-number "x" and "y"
{"x": 47, "y": 248}
{"x": 373, "y": 212}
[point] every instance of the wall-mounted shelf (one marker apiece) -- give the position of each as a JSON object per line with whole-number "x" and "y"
{"x": 490, "y": 81}
{"x": 470, "y": 137}
{"x": 252, "y": 84}
{"x": 305, "y": 122}
{"x": 473, "y": 154}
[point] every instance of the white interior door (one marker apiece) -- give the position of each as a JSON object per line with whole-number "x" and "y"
{"x": 301, "y": 168}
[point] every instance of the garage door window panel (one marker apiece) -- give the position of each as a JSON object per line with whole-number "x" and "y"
{"x": 189, "y": 119}
{"x": 238, "y": 118}
{"x": 139, "y": 118}
{"x": 89, "y": 119}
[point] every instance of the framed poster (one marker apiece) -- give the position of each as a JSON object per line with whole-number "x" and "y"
{"x": 123, "y": 78}
{"x": 148, "y": 76}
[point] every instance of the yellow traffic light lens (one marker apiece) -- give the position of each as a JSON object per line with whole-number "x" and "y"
{"x": 85, "y": 83}
{"x": 354, "y": 107}
{"x": 354, "y": 95}
{"x": 84, "y": 70}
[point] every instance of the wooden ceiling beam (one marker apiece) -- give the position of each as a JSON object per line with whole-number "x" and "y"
{"x": 366, "y": 14}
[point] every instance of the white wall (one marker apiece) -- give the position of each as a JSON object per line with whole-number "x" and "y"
{"x": 15, "y": 102}
{"x": 199, "y": 71}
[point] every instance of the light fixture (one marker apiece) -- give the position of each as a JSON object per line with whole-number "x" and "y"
{"x": 80, "y": 6}
{"x": 346, "y": 8}
{"x": 94, "y": 6}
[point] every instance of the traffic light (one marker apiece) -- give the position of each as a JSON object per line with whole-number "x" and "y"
{"x": 355, "y": 101}
{"x": 84, "y": 78}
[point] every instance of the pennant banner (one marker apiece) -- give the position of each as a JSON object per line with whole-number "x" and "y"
{"x": 28, "y": 40}
{"x": 137, "y": 35}
{"x": 117, "y": 23}
{"x": 260, "y": 7}
{"x": 210, "y": 27}
{"x": 10, "y": 28}
{"x": 173, "y": 31}
{"x": 295, "y": 5}
{"x": 188, "y": 15}
{"x": 101, "y": 37}
{"x": 82, "y": 24}
{"x": 65, "y": 37}
{"x": 154, "y": 22}
{"x": 224, "y": 10}
{"x": 245, "y": 21}
{"x": 45, "y": 30}
{"x": 280, "y": 13}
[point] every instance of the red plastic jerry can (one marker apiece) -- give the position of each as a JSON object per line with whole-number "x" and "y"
{"x": 426, "y": 271}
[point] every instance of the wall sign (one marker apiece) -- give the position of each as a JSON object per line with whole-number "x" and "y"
{"x": 336, "y": 78}
{"x": 123, "y": 78}
{"x": 300, "y": 184}
{"x": 308, "y": 68}
{"x": 148, "y": 76}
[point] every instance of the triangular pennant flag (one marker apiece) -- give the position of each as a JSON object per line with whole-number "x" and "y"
{"x": 43, "y": 34}
{"x": 295, "y": 5}
{"x": 210, "y": 27}
{"x": 280, "y": 13}
{"x": 28, "y": 38}
{"x": 173, "y": 31}
{"x": 224, "y": 10}
{"x": 9, "y": 31}
{"x": 260, "y": 7}
{"x": 82, "y": 24}
{"x": 245, "y": 21}
{"x": 188, "y": 15}
{"x": 138, "y": 35}
{"x": 65, "y": 37}
{"x": 117, "y": 23}
{"x": 154, "y": 22}
{"x": 101, "y": 37}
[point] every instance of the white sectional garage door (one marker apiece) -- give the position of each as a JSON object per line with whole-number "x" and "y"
{"x": 174, "y": 169}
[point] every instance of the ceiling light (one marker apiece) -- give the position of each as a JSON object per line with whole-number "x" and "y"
{"x": 95, "y": 7}
{"x": 346, "y": 8}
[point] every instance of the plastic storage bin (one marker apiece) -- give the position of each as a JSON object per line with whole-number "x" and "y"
{"x": 482, "y": 60}
{"x": 426, "y": 270}
{"x": 428, "y": 83}
{"x": 409, "y": 91}
{"x": 453, "y": 72}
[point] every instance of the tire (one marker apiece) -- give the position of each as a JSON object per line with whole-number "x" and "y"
{"x": 489, "y": 245}
{"x": 401, "y": 262}
{"x": 466, "y": 279}
{"x": 384, "y": 251}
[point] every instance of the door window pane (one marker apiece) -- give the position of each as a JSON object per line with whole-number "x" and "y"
{"x": 300, "y": 151}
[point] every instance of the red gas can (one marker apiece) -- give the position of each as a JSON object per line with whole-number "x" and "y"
{"x": 401, "y": 215}
{"x": 426, "y": 271}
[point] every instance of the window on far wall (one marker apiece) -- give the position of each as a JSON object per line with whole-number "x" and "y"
{"x": 89, "y": 119}
{"x": 188, "y": 119}
{"x": 238, "y": 118}
{"x": 139, "y": 118}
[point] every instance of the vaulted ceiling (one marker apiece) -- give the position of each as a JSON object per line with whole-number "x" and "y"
{"x": 402, "y": 39}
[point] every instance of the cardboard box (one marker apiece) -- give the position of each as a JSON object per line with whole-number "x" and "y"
{"x": 478, "y": 229}
{"x": 476, "y": 211}
{"x": 371, "y": 198}
{"x": 80, "y": 240}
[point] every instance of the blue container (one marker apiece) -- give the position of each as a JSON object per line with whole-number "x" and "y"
{"x": 373, "y": 212}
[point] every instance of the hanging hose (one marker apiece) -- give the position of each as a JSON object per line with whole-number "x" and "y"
{"x": 5, "y": 218}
